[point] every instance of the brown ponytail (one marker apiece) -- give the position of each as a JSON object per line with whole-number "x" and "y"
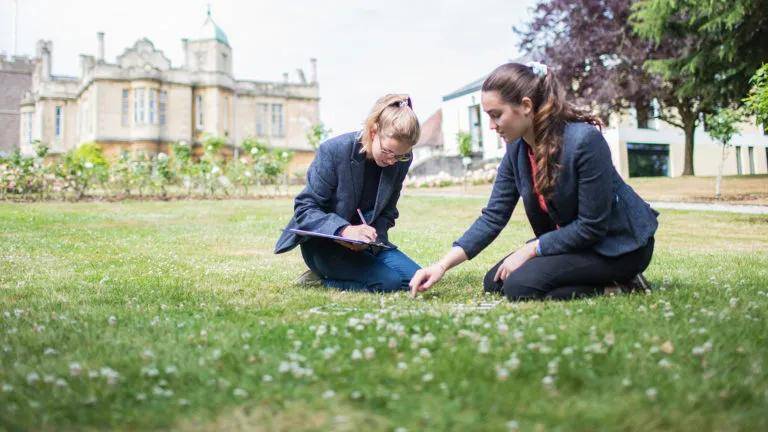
{"x": 551, "y": 112}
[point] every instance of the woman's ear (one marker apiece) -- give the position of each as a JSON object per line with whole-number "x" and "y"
{"x": 373, "y": 131}
{"x": 527, "y": 106}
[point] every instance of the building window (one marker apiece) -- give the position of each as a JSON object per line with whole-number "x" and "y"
{"x": 642, "y": 116}
{"x": 138, "y": 106}
{"x": 648, "y": 160}
{"x": 262, "y": 114}
{"x": 163, "y": 106}
{"x": 475, "y": 126}
{"x": 653, "y": 122}
{"x": 124, "y": 108}
{"x": 226, "y": 115}
{"x": 199, "y": 111}
{"x": 58, "y": 121}
{"x": 751, "y": 151}
{"x": 151, "y": 105}
{"x": 647, "y": 116}
{"x": 738, "y": 160}
{"x": 28, "y": 128}
{"x": 277, "y": 120}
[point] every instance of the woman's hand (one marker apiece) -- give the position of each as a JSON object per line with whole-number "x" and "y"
{"x": 364, "y": 233}
{"x": 514, "y": 261}
{"x": 425, "y": 278}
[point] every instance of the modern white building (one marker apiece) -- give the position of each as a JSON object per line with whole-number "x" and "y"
{"x": 655, "y": 150}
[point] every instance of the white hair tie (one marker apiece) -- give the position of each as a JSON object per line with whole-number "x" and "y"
{"x": 539, "y": 69}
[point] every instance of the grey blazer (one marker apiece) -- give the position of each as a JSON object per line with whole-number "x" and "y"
{"x": 334, "y": 188}
{"x": 593, "y": 206}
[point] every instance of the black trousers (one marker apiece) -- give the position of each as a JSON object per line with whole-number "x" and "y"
{"x": 566, "y": 276}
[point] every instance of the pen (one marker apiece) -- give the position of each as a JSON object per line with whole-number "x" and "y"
{"x": 362, "y": 219}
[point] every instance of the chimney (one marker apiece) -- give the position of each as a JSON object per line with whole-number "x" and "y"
{"x": 86, "y": 64}
{"x": 302, "y": 77}
{"x": 184, "y": 46}
{"x": 100, "y": 52}
{"x": 314, "y": 70}
{"x": 44, "y": 49}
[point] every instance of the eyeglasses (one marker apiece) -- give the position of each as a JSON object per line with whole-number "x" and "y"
{"x": 389, "y": 153}
{"x": 403, "y": 102}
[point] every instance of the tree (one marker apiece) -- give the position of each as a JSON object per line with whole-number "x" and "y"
{"x": 721, "y": 126}
{"x": 613, "y": 54}
{"x": 756, "y": 103}
{"x": 725, "y": 43}
{"x": 598, "y": 55}
{"x": 595, "y": 53}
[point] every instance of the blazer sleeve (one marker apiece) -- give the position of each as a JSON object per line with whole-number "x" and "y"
{"x": 593, "y": 165}
{"x": 495, "y": 215}
{"x": 311, "y": 207}
{"x": 389, "y": 213}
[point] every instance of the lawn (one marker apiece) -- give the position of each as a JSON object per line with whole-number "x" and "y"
{"x": 740, "y": 190}
{"x": 158, "y": 315}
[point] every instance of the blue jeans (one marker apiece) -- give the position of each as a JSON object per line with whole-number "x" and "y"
{"x": 386, "y": 271}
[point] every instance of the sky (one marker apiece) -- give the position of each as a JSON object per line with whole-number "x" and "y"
{"x": 365, "y": 49}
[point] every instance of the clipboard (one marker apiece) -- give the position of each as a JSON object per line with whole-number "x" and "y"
{"x": 335, "y": 237}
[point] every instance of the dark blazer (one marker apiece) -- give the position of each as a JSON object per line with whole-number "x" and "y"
{"x": 334, "y": 188}
{"x": 593, "y": 206}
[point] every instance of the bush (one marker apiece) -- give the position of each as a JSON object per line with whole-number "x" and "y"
{"x": 82, "y": 167}
{"x": 85, "y": 170}
{"x": 465, "y": 144}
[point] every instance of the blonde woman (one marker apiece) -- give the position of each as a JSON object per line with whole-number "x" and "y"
{"x": 358, "y": 170}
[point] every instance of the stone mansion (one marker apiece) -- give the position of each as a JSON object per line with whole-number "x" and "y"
{"x": 142, "y": 102}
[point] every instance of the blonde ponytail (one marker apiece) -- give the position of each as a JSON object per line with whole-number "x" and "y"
{"x": 393, "y": 117}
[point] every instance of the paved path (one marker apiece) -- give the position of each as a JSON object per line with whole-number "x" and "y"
{"x": 726, "y": 208}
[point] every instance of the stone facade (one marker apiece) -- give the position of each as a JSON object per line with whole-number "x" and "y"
{"x": 143, "y": 102}
{"x": 15, "y": 79}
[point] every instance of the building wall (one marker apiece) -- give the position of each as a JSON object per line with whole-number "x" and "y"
{"x": 180, "y": 124}
{"x": 92, "y": 104}
{"x": 456, "y": 119}
{"x": 299, "y": 115}
{"x": 215, "y": 56}
{"x": 15, "y": 79}
{"x": 210, "y": 109}
{"x": 109, "y": 110}
{"x": 88, "y": 116}
{"x": 245, "y": 124}
{"x": 707, "y": 152}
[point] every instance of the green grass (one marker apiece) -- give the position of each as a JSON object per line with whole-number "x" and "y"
{"x": 210, "y": 334}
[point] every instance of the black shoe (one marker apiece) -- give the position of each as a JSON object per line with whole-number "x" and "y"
{"x": 308, "y": 278}
{"x": 613, "y": 289}
{"x": 637, "y": 284}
